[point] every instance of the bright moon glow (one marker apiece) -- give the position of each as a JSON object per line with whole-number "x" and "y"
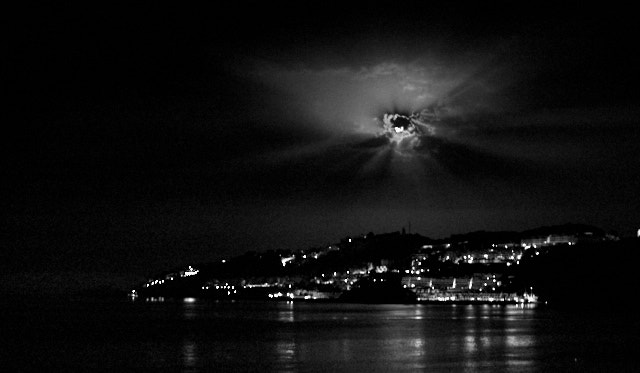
{"x": 344, "y": 99}
{"x": 409, "y": 111}
{"x": 405, "y": 132}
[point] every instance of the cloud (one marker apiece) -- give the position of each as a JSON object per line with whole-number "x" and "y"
{"x": 346, "y": 98}
{"x": 374, "y": 116}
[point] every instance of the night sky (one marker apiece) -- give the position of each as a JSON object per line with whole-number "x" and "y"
{"x": 138, "y": 139}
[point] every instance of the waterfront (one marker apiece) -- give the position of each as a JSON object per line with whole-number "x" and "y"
{"x": 198, "y": 335}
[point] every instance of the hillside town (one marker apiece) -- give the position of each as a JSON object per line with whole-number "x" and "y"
{"x": 478, "y": 267}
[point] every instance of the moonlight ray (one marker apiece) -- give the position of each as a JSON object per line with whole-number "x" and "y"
{"x": 391, "y": 113}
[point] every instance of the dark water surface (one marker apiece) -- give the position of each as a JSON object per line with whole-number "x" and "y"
{"x": 198, "y": 335}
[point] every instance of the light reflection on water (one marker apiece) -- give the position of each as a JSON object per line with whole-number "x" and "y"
{"x": 253, "y": 336}
{"x": 190, "y": 354}
{"x": 286, "y": 312}
{"x": 191, "y": 308}
{"x": 405, "y": 337}
{"x": 286, "y": 354}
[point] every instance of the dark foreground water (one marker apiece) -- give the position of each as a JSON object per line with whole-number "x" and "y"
{"x": 193, "y": 335}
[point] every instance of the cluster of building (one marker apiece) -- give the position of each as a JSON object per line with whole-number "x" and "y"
{"x": 328, "y": 285}
{"x": 187, "y": 272}
{"x": 476, "y": 267}
{"x": 487, "y": 276}
{"x": 303, "y": 256}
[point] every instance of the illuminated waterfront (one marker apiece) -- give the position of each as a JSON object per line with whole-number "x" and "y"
{"x": 193, "y": 335}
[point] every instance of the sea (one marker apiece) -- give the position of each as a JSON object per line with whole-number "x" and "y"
{"x": 196, "y": 335}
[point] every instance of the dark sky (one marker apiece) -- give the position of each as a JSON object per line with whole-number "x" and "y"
{"x": 137, "y": 139}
